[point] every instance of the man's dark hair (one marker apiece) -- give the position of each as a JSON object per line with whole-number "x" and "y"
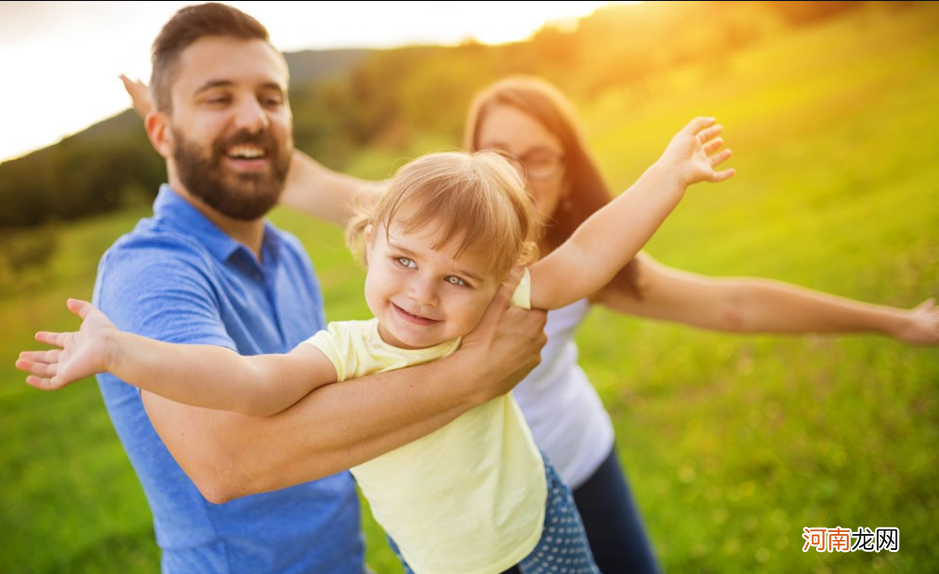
{"x": 186, "y": 27}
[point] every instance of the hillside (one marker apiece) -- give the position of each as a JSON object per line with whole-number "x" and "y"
{"x": 397, "y": 100}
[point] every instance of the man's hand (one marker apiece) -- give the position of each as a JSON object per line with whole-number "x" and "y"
{"x": 506, "y": 344}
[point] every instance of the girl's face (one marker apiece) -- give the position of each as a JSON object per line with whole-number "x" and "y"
{"x": 509, "y": 129}
{"x": 420, "y": 295}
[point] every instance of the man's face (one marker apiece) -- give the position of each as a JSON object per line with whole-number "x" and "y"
{"x": 230, "y": 126}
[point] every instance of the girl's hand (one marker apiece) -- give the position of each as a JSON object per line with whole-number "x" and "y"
{"x": 695, "y": 151}
{"x": 80, "y": 354}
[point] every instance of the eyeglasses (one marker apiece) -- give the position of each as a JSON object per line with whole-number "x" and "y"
{"x": 539, "y": 163}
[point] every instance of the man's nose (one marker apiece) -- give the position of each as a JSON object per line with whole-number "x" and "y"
{"x": 251, "y": 116}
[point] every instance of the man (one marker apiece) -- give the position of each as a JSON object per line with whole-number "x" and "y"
{"x": 208, "y": 269}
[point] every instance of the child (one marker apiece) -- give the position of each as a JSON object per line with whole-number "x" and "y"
{"x": 475, "y": 496}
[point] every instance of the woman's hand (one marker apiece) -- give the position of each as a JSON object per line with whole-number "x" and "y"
{"x": 922, "y": 325}
{"x": 139, "y": 94}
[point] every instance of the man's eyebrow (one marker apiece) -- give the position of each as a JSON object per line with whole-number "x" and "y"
{"x": 212, "y": 84}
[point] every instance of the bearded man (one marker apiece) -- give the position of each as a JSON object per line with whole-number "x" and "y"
{"x": 209, "y": 269}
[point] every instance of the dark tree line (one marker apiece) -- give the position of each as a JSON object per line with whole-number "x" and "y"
{"x": 346, "y": 100}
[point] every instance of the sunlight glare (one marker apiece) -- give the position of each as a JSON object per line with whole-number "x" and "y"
{"x": 69, "y": 80}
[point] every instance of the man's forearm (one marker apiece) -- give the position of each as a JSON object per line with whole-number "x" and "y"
{"x": 334, "y": 428}
{"x": 341, "y": 425}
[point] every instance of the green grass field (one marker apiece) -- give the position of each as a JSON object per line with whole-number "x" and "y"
{"x": 733, "y": 443}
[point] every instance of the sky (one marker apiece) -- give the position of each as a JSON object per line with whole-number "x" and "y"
{"x": 59, "y": 61}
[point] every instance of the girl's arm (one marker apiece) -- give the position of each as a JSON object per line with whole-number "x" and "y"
{"x": 336, "y": 427}
{"x": 752, "y": 305}
{"x": 612, "y": 236}
{"x": 198, "y": 375}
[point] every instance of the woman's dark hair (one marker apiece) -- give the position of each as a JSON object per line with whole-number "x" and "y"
{"x": 587, "y": 191}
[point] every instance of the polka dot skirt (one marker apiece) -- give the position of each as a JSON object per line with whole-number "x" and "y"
{"x": 563, "y": 548}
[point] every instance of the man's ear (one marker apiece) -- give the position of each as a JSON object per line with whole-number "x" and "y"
{"x": 157, "y": 126}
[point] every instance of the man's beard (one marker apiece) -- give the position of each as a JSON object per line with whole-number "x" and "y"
{"x": 242, "y": 196}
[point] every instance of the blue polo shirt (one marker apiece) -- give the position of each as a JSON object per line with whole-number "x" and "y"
{"x": 177, "y": 277}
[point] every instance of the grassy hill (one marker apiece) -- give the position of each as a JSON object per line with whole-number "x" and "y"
{"x": 733, "y": 443}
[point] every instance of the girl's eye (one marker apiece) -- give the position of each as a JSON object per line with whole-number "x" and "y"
{"x": 405, "y": 262}
{"x": 454, "y": 280}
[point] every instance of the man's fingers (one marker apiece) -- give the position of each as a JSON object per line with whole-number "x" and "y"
{"x": 508, "y": 287}
{"x": 514, "y": 277}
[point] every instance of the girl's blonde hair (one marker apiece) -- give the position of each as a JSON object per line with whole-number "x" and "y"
{"x": 477, "y": 199}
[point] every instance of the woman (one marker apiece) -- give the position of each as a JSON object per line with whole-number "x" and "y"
{"x": 530, "y": 119}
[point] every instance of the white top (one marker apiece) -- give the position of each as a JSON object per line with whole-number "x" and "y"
{"x": 562, "y": 408}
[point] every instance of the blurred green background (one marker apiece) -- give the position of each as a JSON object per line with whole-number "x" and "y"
{"x": 732, "y": 443}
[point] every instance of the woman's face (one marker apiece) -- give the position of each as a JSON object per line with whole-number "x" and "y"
{"x": 509, "y": 129}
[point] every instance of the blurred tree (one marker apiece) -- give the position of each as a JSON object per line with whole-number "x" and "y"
{"x": 799, "y": 13}
{"x": 345, "y": 100}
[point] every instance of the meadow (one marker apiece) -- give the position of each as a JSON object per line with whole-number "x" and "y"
{"x": 733, "y": 443}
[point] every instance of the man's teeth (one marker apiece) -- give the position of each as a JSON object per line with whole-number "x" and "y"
{"x": 245, "y": 152}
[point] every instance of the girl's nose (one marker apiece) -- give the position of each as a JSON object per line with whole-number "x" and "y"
{"x": 424, "y": 291}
